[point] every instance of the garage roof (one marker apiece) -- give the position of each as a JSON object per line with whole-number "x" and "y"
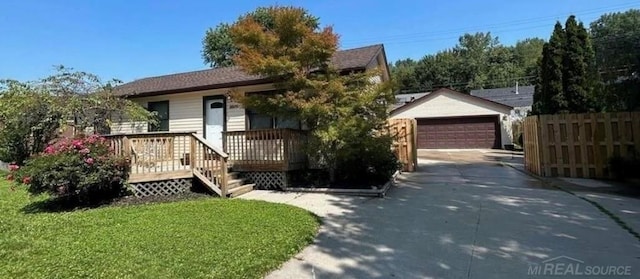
{"x": 445, "y": 90}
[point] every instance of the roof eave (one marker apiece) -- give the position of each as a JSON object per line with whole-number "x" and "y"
{"x": 199, "y": 88}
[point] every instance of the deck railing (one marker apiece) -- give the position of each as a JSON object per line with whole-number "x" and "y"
{"x": 266, "y": 150}
{"x": 209, "y": 163}
{"x": 172, "y": 155}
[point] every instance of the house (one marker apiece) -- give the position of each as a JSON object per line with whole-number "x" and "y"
{"x": 403, "y": 99}
{"x": 450, "y": 119}
{"x": 519, "y": 97}
{"x": 202, "y": 132}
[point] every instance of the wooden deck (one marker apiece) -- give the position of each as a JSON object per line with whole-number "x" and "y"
{"x": 163, "y": 156}
{"x": 266, "y": 150}
{"x": 174, "y": 155}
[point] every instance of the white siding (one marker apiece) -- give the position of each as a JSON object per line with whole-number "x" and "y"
{"x": 444, "y": 104}
{"x": 235, "y": 116}
{"x": 186, "y": 111}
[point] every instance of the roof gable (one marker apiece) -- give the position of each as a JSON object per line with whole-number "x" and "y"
{"x": 344, "y": 60}
{"x": 442, "y": 91}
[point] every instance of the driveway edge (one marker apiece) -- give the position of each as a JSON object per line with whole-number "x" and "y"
{"x": 597, "y": 205}
{"x": 381, "y": 193}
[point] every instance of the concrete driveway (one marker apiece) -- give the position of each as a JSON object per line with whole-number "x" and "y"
{"x": 462, "y": 215}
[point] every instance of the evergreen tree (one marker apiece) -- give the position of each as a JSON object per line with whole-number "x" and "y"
{"x": 575, "y": 67}
{"x": 540, "y": 99}
{"x": 567, "y": 75}
{"x": 549, "y": 97}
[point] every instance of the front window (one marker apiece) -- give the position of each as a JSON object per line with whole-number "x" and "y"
{"x": 259, "y": 121}
{"x": 162, "y": 111}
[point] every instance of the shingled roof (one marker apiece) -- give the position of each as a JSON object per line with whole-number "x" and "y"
{"x": 508, "y": 96}
{"x": 345, "y": 60}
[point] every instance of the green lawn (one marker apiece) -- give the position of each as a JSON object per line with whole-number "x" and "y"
{"x": 206, "y": 238}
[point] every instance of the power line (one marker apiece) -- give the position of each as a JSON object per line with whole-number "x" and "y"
{"x": 493, "y": 82}
{"x": 603, "y": 39}
{"x": 425, "y": 39}
{"x": 423, "y": 35}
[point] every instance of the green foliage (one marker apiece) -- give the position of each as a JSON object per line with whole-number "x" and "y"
{"x": 615, "y": 39}
{"x": 404, "y": 75}
{"x": 527, "y": 53}
{"x": 81, "y": 169}
{"x": 366, "y": 160}
{"x": 89, "y": 102}
{"x": 218, "y": 48}
{"x": 549, "y": 92}
{"x": 341, "y": 111}
{"x": 567, "y": 78}
{"x": 517, "y": 130}
{"x": 242, "y": 239}
{"x": 625, "y": 167}
{"x": 577, "y": 67}
{"x": 477, "y": 61}
{"x": 28, "y": 121}
{"x": 32, "y": 113}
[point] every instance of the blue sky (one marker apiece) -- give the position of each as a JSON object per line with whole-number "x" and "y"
{"x": 130, "y": 39}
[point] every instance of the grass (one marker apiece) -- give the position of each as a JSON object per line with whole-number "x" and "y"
{"x": 205, "y": 238}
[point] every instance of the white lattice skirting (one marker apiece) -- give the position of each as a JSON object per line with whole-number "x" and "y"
{"x": 161, "y": 188}
{"x": 267, "y": 180}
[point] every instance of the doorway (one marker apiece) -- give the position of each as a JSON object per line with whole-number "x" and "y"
{"x": 214, "y": 114}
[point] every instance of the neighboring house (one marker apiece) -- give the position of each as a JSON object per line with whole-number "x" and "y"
{"x": 450, "y": 119}
{"x": 403, "y": 99}
{"x": 519, "y": 97}
{"x": 198, "y": 102}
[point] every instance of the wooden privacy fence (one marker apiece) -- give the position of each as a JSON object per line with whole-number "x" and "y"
{"x": 579, "y": 145}
{"x": 405, "y": 140}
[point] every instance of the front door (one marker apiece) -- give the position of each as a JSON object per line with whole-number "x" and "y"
{"x": 214, "y": 121}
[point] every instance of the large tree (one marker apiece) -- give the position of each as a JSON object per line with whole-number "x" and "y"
{"x": 477, "y": 61}
{"x": 577, "y": 67}
{"x": 567, "y": 76}
{"x": 527, "y": 53}
{"x": 439, "y": 70}
{"x": 218, "y": 48}
{"x": 616, "y": 41}
{"x": 342, "y": 112}
{"x": 404, "y": 75}
{"x": 551, "y": 72}
{"x": 474, "y": 52}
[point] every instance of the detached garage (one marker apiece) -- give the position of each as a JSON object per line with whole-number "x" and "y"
{"x": 450, "y": 119}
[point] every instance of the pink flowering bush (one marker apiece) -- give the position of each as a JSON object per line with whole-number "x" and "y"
{"x": 84, "y": 168}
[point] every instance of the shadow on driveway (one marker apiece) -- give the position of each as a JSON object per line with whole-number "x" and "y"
{"x": 454, "y": 219}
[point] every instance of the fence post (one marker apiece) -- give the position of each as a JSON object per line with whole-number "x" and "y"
{"x": 223, "y": 178}
{"x": 192, "y": 150}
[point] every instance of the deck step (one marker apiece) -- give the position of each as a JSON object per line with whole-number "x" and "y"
{"x": 241, "y": 190}
{"x": 234, "y": 183}
{"x": 232, "y": 175}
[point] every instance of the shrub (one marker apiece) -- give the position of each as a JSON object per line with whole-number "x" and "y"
{"x": 517, "y": 131}
{"x": 82, "y": 169}
{"x": 369, "y": 160}
{"x": 28, "y": 123}
{"x": 626, "y": 167}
